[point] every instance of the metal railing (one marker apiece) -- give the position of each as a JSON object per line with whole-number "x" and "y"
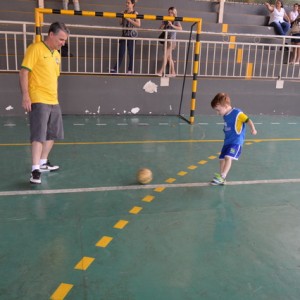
{"x": 223, "y": 55}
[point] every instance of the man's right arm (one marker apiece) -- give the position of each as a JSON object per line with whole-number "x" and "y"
{"x": 26, "y": 101}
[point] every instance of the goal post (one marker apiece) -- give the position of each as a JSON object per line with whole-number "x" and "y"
{"x": 39, "y": 14}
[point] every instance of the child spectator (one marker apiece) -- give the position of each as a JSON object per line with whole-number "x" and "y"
{"x": 235, "y": 131}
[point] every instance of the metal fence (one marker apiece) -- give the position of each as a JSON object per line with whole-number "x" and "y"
{"x": 223, "y": 55}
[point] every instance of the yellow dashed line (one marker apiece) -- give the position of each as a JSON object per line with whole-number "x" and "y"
{"x": 62, "y": 291}
{"x": 212, "y": 157}
{"x": 148, "y": 198}
{"x": 249, "y": 70}
{"x": 170, "y": 180}
{"x": 121, "y": 224}
{"x": 84, "y": 263}
{"x": 224, "y": 27}
{"x": 135, "y": 210}
{"x": 192, "y": 167}
{"x": 104, "y": 241}
{"x": 232, "y": 39}
{"x": 181, "y": 173}
{"x": 64, "y": 288}
{"x": 202, "y": 162}
{"x": 239, "y": 55}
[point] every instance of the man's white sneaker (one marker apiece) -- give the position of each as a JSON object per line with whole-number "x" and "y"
{"x": 35, "y": 177}
{"x": 47, "y": 167}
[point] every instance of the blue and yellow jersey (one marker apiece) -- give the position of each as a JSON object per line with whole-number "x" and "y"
{"x": 234, "y": 127}
{"x": 44, "y": 68}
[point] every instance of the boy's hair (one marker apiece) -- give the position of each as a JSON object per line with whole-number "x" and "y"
{"x": 220, "y": 99}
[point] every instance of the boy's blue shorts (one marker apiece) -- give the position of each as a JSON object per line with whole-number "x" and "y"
{"x": 234, "y": 151}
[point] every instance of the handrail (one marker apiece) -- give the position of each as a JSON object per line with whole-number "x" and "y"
{"x": 246, "y": 56}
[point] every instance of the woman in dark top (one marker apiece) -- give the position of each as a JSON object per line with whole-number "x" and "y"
{"x": 127, "y": 23}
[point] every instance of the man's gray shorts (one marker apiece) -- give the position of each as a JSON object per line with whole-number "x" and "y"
{"x": 45, "y": 123}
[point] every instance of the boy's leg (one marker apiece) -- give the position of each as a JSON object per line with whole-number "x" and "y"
{"x": 225, "y": 166}
{"x": 228, "y": 153}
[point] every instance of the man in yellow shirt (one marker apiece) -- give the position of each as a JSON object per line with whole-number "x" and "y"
{"x": 39, "y": 83}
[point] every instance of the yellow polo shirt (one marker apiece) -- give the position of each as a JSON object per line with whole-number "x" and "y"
{"x": 44, "y": 69}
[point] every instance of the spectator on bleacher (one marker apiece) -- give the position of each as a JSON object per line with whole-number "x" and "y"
{"x": 171, "y": 45}
{"x": 129, "y": 32}
{"x": 75, "y": 3}
{"x": 295, "y": 31}
{"x": 294, "y": 13}
{"x": 278, "y": 18}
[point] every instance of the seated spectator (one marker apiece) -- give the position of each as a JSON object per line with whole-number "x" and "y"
{"x": 278, "y": 18}
{"x": 75, "y": 3}
{"x": 293, "y": 15}
{"x": 295, "y": 31}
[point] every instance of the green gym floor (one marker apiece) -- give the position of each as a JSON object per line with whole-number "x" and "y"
{"x": 90, "y": 231}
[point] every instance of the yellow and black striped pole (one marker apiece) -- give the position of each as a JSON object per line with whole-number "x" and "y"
{"x": 39, "y": 12}
{"x": 195, "y": 73}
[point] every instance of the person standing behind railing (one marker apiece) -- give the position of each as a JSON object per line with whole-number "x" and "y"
{"x": 66, "y": 4}
{"x": 172, "y": 26}
{"x": 65, "y": 48}
{"x": 295, "y": 31}
{"x": 278, "y": 17}
{"x": 130, "y": 32}
{"x": 293, "y": 14}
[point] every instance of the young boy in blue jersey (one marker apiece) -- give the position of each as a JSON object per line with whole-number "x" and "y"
{"x": 234, "y": 129}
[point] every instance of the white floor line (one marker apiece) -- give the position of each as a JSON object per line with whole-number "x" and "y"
{"x": 141, "y": 187}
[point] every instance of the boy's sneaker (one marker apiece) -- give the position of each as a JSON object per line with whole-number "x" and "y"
{"x": 35, "y": 177}
{"x": 218, "y": 180}
{"x": 47, "y": 167}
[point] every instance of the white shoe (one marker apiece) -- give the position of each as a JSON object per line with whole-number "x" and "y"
{"x": 47, "y": 167}
{"x": 35, "y": 177}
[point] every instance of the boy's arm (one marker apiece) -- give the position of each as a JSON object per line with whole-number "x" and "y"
{"x": 252, "y": 127}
